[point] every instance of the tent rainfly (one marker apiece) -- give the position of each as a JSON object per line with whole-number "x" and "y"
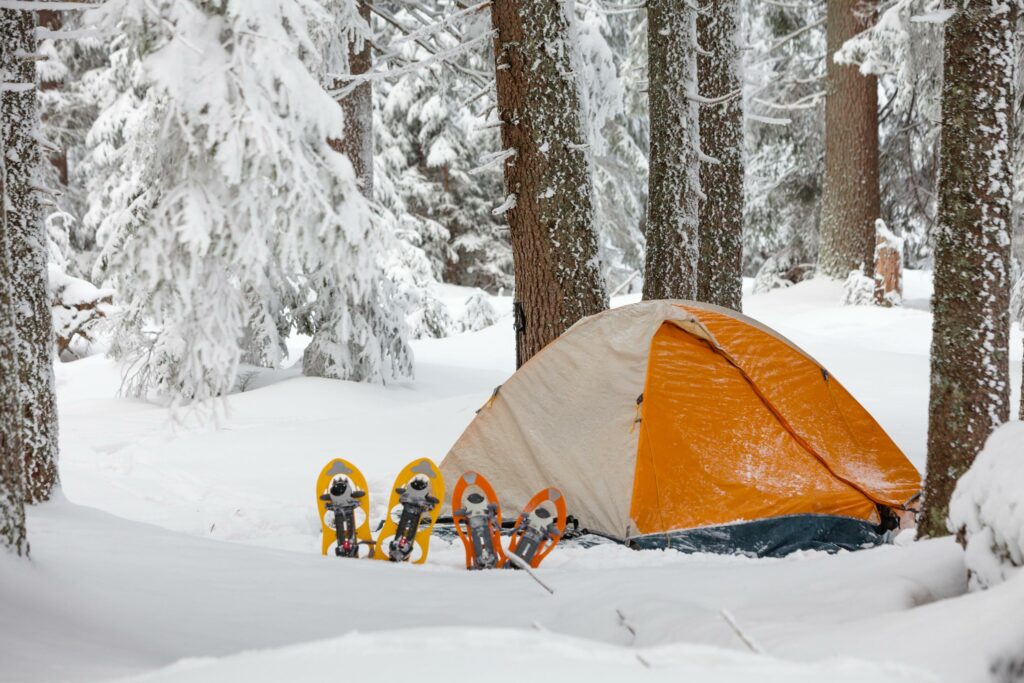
{"x": 684, "y": 425}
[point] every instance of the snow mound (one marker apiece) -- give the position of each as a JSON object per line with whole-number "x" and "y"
{"x": 479, "y": 312}
{"x": 858, "y": 289}
{"x": 463, "y": 654}
{"x": 987, "y": 509}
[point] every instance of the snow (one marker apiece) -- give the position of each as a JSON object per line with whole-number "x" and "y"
{"x": 187, "y": 552}
{"x": 986, "y": 508}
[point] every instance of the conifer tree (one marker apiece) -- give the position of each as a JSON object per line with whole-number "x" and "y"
{"x": 37, "y": 425}
{"x": 547, "y": 173}
{"x": 227, "y": 219}
{"x": 674, "y": 181}
{"x": 719, "y": 72}
{"x": 970, "y": 384}
{"x": 850, "y": 201}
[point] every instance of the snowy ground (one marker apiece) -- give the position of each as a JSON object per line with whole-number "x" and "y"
{"x": 131, "y": 573}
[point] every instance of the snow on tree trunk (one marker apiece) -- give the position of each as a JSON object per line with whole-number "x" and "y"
{"x": 549, "y": 210}
{"x": 38, "y": 424}
{"x": 888, "y": 266}
{"x": 970, "y": 387}
{"x": 674, "y": 181}
{"x": 719, "y": 72}
{"x": 357, "y": 109}
{"x": 12, "y": 482}
{"x": 850, "y": 200}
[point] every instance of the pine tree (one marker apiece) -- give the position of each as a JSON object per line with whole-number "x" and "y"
{"x": 850, "y": 201}
{"x": 27, "y": 245}
{"x": 970, "y": 388}
{"x": 12, "y": 483}
{"x": 719, "y": 72}
{"x": 547, "y": 175}
{"x": 226, "y": 216}
{"x": 674, "y": 181}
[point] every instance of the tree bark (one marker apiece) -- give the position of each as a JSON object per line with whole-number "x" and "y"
{"x": 554, "y": 248}
{"x": 670, "y": 271}
{"x": 12, "y": 483}
{"x": 357, "y": 109}
{"x": 719, "y": 73}
{"x": 27, "y": 244}
{"x": 59, "y": 158}
{"x": 850, "y": 200}
{"x": 970, "y": 382}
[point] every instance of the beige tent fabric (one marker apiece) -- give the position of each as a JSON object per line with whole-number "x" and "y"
{"x": 565, "y": 419}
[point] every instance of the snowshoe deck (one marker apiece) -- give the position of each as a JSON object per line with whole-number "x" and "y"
{"x": 413, "y": 508}
{"x": 476, "y": 515}
{"x": 339, "y": 473}
{"x": 539, "y": 528}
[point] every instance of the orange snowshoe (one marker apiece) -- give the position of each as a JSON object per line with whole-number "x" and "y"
{"x": 477, "y": 517}
{"x": 539, "y": 528}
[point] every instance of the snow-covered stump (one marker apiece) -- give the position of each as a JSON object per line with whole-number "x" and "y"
{"x": 986, "y": 511}
{"x": 888, "y": 266}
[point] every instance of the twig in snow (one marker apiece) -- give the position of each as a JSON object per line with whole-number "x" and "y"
{"x": 729, "y": 619}
{"x": 520, "y": 564}
{"x": 625, "y": 624}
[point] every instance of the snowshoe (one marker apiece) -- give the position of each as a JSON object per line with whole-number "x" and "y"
{"x": 539, "y": 528}
{"x": 344, "y": 509}
{"x": 412, "y": 510}
{"x": 477, "y": 518}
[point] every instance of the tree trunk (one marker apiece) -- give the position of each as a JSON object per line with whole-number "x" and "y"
{"x": 357, "y": 109}
{"x": 850, "y": 200}
{"x": 554, "y": 248}
{"x": 719, "y": 73}
{"x": 59, "y": 158}
{"x": 674, "y": 182}
{"x": 970, "y": 381}
{"x": 27, "y": 244}
{"x": 12, "y": 483}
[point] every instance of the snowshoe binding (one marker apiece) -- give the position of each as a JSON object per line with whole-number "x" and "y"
{"x": 414, "y": 507}
{"x": 477, "y": 518}
{"x": 539, "y": 528}
{"x": 344, "y": 509}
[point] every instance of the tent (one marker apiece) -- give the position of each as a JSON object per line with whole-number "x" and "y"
{"x": 685, "y": 425}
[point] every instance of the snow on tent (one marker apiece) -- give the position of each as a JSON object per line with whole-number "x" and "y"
{"x": 683, "y": 425}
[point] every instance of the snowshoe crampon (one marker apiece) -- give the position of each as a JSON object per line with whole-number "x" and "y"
{"x": 344, "y": 509}
{"x": 539, "y": 528}
{"x": 477, "y": 518}
{"x": 412, "y": 510}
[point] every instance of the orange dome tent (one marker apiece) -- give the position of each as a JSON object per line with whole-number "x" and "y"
{"x": 680, "y": 424}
